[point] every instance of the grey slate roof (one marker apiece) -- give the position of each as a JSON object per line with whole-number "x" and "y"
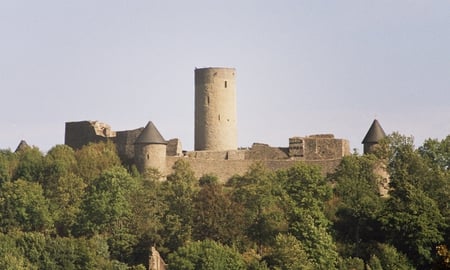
{"x": 150, "y": 135}
{"x": 375, "y": 133}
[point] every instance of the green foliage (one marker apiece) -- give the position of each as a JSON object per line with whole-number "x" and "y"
{"x": 24, "y": 207}
{"x": 307, "y": 191}
{"x": 179, "y": 191}
{"x": 32, "y": 250}
{"x": 417, "y": 211}
{"x": 94, "y": 159}
{"x": 148, "y": 209}
{"x": 437, "y": 152}
{"x": 216, "y": 216}
{"x": 106, "y": 202}
{"x": 258, "y": 192}
{"x": 359, "y": 204}
{"x": 288, "y": 253}
{"x": 65, "y": 198}
{"x": 30, "y": 165}
{"x": 8, "y": 164}
{"x": 205, "y": 255}
{"x": 388, "y": 258}
{"x": 413, "y": 223}
{"x": 352, "y": 263}
{"x": 279, "y": 220}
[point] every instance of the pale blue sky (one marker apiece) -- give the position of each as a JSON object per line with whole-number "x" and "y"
{"x": 303, "y": 67}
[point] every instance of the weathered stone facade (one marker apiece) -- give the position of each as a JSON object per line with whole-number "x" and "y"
{"x": 215, "y": 109}
{"x": 322, "y": 150}
{"x": 215, "y": 149}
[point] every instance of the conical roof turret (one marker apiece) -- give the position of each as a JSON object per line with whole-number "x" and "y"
{"x": 23, "y": 145}
{"x": 150, "y": 135}
{"x": 375, "y": 133}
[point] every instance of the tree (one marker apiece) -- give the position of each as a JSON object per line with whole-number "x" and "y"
{"x": 65, "y": 199}
{"x": 388, "y": 258}
{"x": 30, "y": 165}
{"x": 95, "y": 158}
{"x": 288, "y": 253}
{"x": 106, "y": 209}
{"x": 24, "y": 207}
{"x": 413, "y": 219}
{"x": 437, "y": 152}
{"x": 358, "y": 203}
{"x": 413, "y": 223}
{"x": 215, "y": 215}
{"x": 307, "y": 191}
{"x": 59, "y": 161}
{"x": 8, "y": 164}
{"x": 179, "y": 191}
{"x": 11, "y": 257}
{"x": 206, "y": 255}
{"x": 259, "y": 193}
{"x": 148, "y": 209}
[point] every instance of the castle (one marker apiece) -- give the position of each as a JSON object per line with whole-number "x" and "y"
{"x": 215, "y": 147}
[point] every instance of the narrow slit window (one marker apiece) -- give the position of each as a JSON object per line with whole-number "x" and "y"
{"x": 226, "y": 84}
{"x": 208, "y": 100}
{"x": 219, "y": 117}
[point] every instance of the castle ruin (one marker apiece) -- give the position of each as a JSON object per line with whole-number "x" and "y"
{"x": 215, "y": 148}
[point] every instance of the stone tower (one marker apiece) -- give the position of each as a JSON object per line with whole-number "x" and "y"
{"x": 150, "y": 149}
{"x": 215, "y": 109}
{"x": 373, "y": 136}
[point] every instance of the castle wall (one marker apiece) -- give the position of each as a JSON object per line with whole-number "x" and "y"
{"x": 174, "y": 147}
{"x": 225, "y": 169}
{"x": 215, "y": 109}
{"x": 78, "y": 134}
{"x": 125, "y": 144}
{"x": 316, "y": 147}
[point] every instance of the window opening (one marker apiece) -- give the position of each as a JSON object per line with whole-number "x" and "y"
{"x": 226, "y": 84}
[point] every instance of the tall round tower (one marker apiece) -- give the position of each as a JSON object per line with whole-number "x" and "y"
{"x": 215, "y": 109}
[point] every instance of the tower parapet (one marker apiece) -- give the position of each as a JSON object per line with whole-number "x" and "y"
{"x": 215, "y": 109}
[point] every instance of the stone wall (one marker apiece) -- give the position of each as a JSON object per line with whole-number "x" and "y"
{"x": 316, "y": 147}
{"x": 125, "y": 144}
{"x": 260, "y": 151}
{"x": 78, "y": 134}
{"x": 225, "y": 169}
{"x": 174, "y": 147}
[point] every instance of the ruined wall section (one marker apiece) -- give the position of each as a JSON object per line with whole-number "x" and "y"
{"x": 124, "y": 141}
{"x": 318, "y": 147}
{"x": 174, "y": 147}
{"x": 78, "y": 134}
{"x": 261, "y": 151}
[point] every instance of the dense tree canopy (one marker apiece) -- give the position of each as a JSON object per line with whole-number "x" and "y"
{"x": 82, "y": 209}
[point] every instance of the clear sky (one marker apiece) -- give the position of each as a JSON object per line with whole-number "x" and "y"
{"x": 303, "y": 67}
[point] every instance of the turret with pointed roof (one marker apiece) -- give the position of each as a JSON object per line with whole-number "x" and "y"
{"x": 150, "y": 149}
{"x": 150, "y": 135}
{"x": 373, "y": 136}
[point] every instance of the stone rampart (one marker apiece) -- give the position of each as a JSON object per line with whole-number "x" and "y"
{"x": 125, "y": 144}
{"x": 78, "y": 134}
{"x": 225, "y": 169}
